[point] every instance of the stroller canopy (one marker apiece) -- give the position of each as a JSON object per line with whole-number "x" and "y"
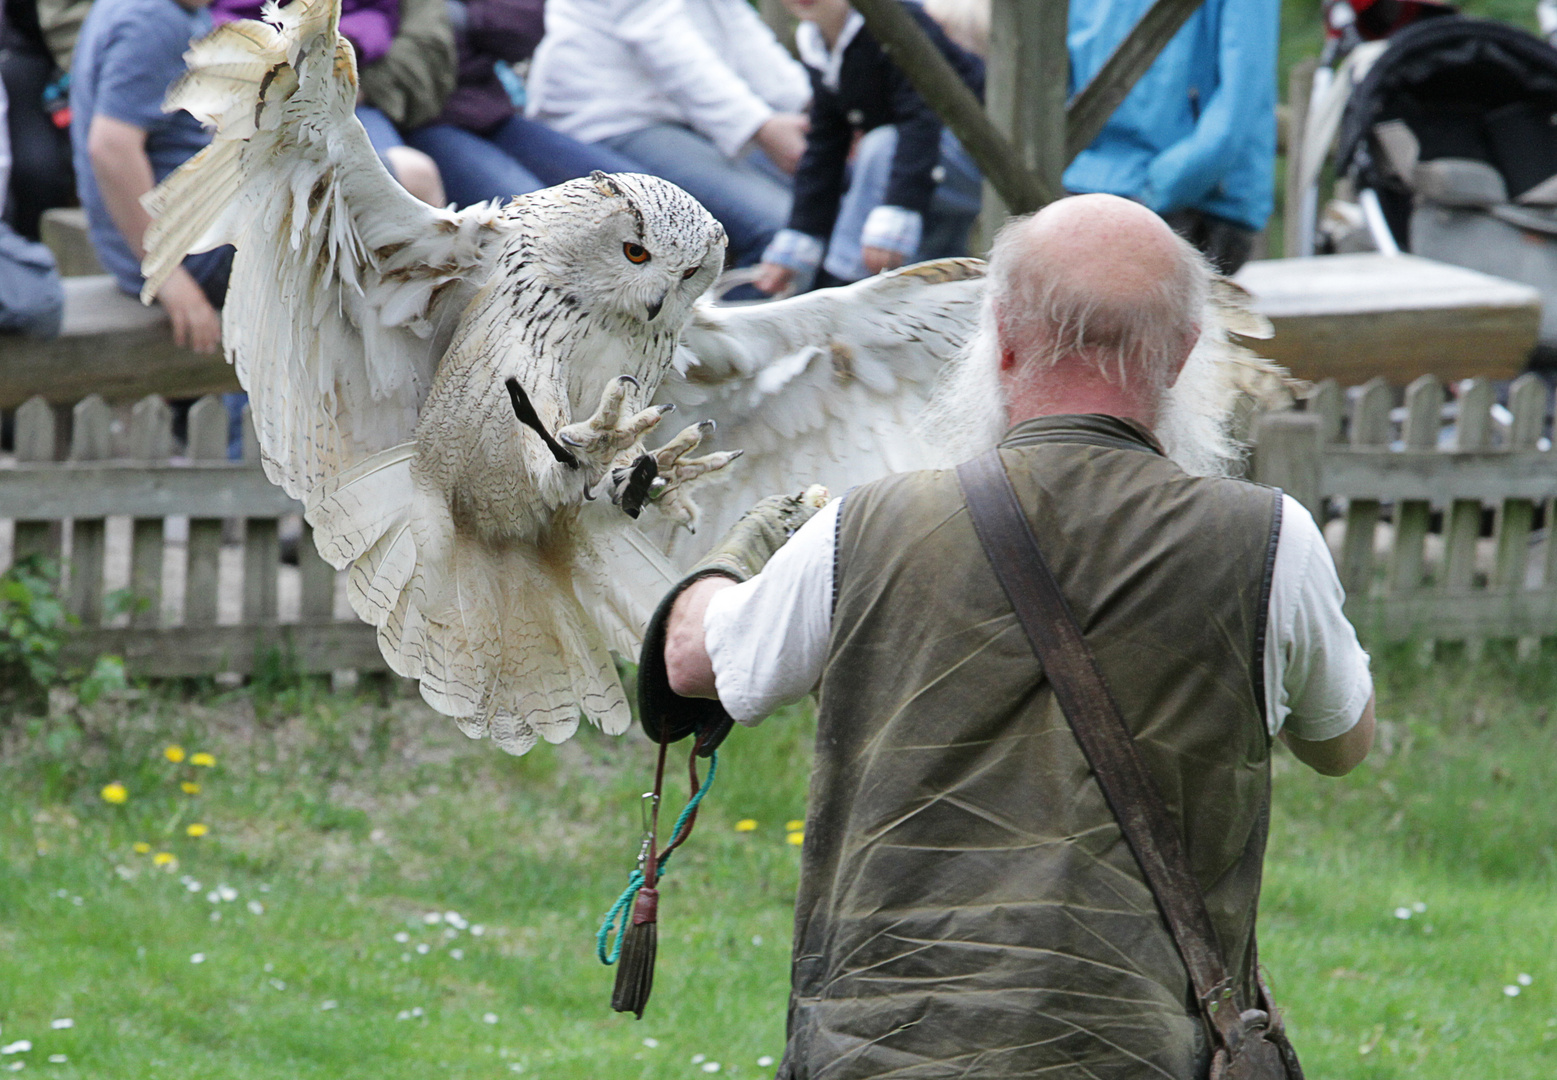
{"x": 1465, "y": 88}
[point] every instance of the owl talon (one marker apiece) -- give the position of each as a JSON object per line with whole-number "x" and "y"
{"x": 604, "y": 435}
{"x": 676, "y": 470}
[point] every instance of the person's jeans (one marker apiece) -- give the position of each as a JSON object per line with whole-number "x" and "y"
{"x": 953, "y": 208}
{"x": 750, "y": 202}
{"x": 516, "y": 157}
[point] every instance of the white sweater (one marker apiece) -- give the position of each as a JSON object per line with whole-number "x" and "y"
{"x": 608, "y": 67}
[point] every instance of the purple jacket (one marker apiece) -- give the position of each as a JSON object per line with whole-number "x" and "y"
{"x": 487, "y": 32}
{"x": 370, "y": 25}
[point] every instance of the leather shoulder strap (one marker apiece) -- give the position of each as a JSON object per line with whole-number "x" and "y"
{"x": 1083, "y": 696}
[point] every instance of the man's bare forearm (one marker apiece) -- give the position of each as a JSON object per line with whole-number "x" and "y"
{"x": 1340, "y": 755}
{"x": 123, "y": 171}
{"x": 688, "y": 667}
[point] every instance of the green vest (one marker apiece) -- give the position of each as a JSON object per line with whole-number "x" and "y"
{"x": 968, "y": 906}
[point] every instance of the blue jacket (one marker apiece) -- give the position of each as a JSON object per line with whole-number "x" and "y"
{"x": 1199, "y": 129}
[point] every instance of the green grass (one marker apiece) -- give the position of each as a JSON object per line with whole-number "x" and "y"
{"x": 350, "y": 819}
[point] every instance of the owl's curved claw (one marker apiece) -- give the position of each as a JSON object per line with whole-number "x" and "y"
{"x": 676, "y": 471}
{"x": 598, "y": 440}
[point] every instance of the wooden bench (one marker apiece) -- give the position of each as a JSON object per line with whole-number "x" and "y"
{"x": 65, "y": 232}
{"x": 110, "y": 345}
{"x": 1356, "y": 317}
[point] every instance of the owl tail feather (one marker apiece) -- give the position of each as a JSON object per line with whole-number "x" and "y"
{"x": 494, "y": 634}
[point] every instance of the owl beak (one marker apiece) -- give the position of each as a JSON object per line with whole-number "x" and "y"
{"x": 656, "y": 304}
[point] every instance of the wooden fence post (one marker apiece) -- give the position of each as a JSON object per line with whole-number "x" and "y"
{"x": 151, "y": 441}
{"x": 1424, "y": 419}
{"x": 202, "y": 578}
{"x": 1462, "y": 526}
{"x": 1370, "y": 428}
{"x": 90, "y": 440}
{"x": 1287, "y": 455}
{"x": 1300, "y": 87}
{"x": 35, "y": 443}
{"x": 261, "y": 548}
{"x": 1025, "y": 88}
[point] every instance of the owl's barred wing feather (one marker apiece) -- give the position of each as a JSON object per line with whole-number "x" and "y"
{"x": 823, "y": 388}
{"x": 345, "y": 289}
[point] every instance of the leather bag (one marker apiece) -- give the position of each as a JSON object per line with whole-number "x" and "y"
{"x": 1250, "y": 1044}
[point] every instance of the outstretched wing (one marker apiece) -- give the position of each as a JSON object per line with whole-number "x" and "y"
{"x": 345, "y": 289}
{"x": 822, "y": 388}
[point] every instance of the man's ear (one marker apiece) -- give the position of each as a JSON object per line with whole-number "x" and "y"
{"x": 1008, "y": 358}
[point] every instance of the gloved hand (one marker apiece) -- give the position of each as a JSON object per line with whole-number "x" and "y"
{"x": 739, "y": 555}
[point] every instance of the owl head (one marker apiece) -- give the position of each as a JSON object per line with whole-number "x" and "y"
{"x": 625, "y": 245}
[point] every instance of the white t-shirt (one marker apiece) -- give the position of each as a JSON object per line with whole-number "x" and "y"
{"x": 768, "y": 637}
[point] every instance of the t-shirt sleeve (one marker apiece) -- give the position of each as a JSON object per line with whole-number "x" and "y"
{"x": 139, "y": 65}
{"x": 768, "y": 637}
{"x": 1316, "y": 674}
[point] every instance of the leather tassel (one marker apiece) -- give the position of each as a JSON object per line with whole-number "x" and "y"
{"x": 640, "y": 943}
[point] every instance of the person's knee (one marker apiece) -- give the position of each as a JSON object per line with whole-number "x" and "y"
{"x": 417, "y": 173}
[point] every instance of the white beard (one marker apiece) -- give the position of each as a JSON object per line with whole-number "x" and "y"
{"x": 966, "y": 414}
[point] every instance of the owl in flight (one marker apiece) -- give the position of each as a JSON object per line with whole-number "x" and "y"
{"x": 461, "y": 400}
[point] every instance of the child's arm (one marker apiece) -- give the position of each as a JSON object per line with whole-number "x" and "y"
{"x": 797, "y": 249}
{"x": 118, "y": 154}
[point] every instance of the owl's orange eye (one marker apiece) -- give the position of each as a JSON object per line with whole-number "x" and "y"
{"x": 635, "y": 253}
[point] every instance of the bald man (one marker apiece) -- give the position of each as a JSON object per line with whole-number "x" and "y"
{"x": 967, "y": 905}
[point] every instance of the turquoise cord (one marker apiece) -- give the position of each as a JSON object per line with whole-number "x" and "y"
{"x": 623, "y": 905}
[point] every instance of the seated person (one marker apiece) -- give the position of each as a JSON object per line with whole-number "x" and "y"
{"x": 32, "y": 301}
{"x": 481, "y": 144}
{"x": 915, "y": 191}
{"x": 39, "y": 39}
{"x": 684, "y": 88}
{"x": 129, "y": 54}
{"x": 374, "y": 28}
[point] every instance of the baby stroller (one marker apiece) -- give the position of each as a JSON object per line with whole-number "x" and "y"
{"x": 1448, "y": 143}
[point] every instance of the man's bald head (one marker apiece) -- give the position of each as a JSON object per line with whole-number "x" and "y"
{"x": 1099, "y": 279}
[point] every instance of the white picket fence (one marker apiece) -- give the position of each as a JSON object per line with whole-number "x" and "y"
{"x": 138, "y": 526}
{"x": 1415, "y": 490}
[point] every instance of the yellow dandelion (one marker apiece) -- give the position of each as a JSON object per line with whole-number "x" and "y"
{"x": 797, "y": 837}
{"x": 746, "y": 824}
{"x": 794, "y": 825}
{"x": 141, "y": 847}
{"x": 174, "y": 753}
{"x": 164, "y": 858}
{"x": 115, "y": 793}
{"x": 202, "y": 758}
{"x": 190, "y": 787}
{"x": 197, "y": 829}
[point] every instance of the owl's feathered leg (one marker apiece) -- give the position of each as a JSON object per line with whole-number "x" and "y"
{"x": 676, "y": 470}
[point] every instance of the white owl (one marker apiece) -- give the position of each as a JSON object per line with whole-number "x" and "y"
{"x": 460, "y": 399}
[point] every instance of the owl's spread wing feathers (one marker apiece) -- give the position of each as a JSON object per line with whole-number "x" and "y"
{"x": 345, "y": 289}
{"x": 823, "y": 388}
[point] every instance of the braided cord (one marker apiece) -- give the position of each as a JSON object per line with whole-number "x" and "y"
{"x": 610, "y": 951}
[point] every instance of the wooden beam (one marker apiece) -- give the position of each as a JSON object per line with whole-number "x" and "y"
{"x": 173, "y": 651}
{"x": 938, "y": 82}
{"x": 1096, "y": 102}
{"x": 1028, "y": 81}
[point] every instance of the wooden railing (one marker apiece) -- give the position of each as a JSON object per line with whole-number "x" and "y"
{"x": 1415, "y": 489}
{"x": 206, "y": 590}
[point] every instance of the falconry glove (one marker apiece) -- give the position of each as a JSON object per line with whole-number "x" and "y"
{"x": 739, "y": 555}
